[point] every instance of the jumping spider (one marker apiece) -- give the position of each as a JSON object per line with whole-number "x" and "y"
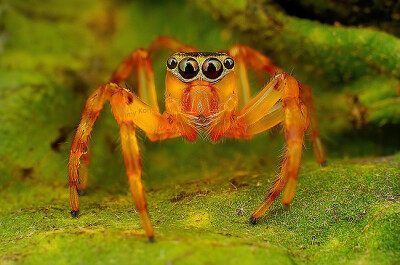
{"x": 205, "y": 94}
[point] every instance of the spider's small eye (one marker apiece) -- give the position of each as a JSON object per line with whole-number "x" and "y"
{"x": 188, "y": 68}
{"x": 212, "y": 68}
{"x": 229, "y": 63}
{"x": 171, "y": 63}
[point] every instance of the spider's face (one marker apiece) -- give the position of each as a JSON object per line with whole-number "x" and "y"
{"x": 201, "y": 82}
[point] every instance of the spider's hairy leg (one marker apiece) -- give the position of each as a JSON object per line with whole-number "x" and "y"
{"x": 295, "y": 123}
{"x": 319, "y": 151}
{"x": 93, "y": 106}
{"x": 139, "y": 61}
{"x": 170, "y": 43}
{"x": 129, "y": 111}
{"x": 247, "y": 57}
{"x": 242, "y": 77}
{"x": 128, "y": 107}
{"x": 84, "y": 171}
{"x": 132, "y": 160}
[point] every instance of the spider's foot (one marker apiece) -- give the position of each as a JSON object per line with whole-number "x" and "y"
{"x": 74, "y": 213}
{"x": 151, "y": 239}
{"x": 253, "y": 220}
{"x": 286, "y": 206}
{"x": 81, "y": 192}
{"x": 324, "y": 164}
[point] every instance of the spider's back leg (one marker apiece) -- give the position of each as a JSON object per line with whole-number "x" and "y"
{"x": 139, "y": 61}
{"x": 170, "y": 43}
{"x": 318, "y": 147}
{"x": 246, "y": 57}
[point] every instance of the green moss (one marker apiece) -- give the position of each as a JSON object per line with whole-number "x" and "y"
{"x": 344, "y": 212}
{"x": 200, "y": 195}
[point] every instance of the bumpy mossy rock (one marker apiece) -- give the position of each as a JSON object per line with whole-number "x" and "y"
{"x": 199, "y": 195}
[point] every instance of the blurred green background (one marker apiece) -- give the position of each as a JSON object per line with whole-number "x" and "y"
{"x": 200, "y": 195}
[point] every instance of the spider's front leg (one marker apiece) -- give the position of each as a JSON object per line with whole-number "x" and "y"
{"x": 278, "y": 102}
{"x": 247, "y": 57}
{"x": 129, "y": 111}
{"x": 137, "y": 61}
{"x": 133, "y": 165}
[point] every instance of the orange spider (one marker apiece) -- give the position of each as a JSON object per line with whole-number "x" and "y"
{"x": 206, "y": 94}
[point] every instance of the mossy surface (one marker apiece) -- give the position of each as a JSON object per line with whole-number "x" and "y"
{"x": 199, "y": 195}
{"x": 346, "y": 212}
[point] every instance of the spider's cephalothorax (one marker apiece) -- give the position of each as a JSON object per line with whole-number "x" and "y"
{"x": 199, "y": 86}
{"x": 206, "y": 94}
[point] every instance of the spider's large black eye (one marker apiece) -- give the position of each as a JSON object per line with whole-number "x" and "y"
{"x": 171, "y": 63}
{"x": 229, "y": 63}
{"x": 212, "y": 68}
{"x": 188, "y": 68}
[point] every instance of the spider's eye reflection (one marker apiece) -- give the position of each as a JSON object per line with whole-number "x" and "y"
{"x": 188, "y": 68}
{"x": 212, "y": 68}
{"x": 171, "y": 63}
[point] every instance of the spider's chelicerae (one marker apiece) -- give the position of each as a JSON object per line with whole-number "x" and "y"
{"x": 206, "y": 94}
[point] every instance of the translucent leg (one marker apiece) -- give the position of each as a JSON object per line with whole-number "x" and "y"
{"x": 94, "y": 104}
{"x": 295, "y": 123}
{"x": 132, "y": 160}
